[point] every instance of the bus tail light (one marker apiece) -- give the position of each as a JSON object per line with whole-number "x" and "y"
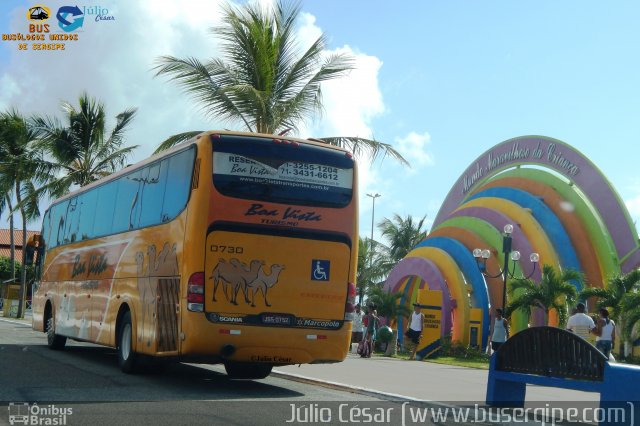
{"x": 350, "y": 305}
{"x": 195, "y": 292}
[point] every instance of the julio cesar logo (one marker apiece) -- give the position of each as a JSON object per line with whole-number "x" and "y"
{"x": 70, "y": 18}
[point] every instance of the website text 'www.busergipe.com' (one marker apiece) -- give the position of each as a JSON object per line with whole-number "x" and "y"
{"x": 622, "y": 413}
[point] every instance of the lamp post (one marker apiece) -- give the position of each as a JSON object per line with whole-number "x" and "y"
{"x": 481, "y": 257}
{"x": 373, "y": 214}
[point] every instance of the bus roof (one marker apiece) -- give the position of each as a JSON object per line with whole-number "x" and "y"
{"x": 180, "y": 147}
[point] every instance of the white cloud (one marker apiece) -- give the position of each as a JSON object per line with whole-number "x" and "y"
{"x": 351, "y": 102}
{"x": 413, "y": 147}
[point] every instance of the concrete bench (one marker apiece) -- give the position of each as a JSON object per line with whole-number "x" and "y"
{"x": 549, "y": 356}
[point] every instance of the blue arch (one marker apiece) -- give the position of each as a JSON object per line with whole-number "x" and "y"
{"x": 549, "y": 222}
{"x": 467, "y": 264}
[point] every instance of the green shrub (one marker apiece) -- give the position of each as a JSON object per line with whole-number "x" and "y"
{"x": 456, "y": 349}
{"x": 385, "y": 334}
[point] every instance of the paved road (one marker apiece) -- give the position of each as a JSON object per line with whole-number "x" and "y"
{"x": 86, "y": 378}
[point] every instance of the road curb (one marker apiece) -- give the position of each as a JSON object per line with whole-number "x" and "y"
{"x": 394, "y": 397}
{"x": 17, "y": 322}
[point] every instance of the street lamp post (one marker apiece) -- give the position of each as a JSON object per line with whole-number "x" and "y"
{"x": 481, "y": 257}
{"x": 373, "y": 211}
{"x": 373, "y": 214}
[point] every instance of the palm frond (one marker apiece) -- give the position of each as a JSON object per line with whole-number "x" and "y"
{"x": 206, "y": 83}
{"x": 365, "y": 147}
{"x": 122, "y": 121}
{"x": 631, "y": 322}
{"x": 175, "y": 140}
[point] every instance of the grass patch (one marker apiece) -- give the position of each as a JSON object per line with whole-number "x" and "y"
{"x": 480, "y": 363}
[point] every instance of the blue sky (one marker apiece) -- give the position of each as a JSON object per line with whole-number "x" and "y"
{"x": 443, "y": 81}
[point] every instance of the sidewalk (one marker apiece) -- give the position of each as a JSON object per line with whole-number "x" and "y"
{"x": 25, "y": 320}
{"x": 419, "y": 380}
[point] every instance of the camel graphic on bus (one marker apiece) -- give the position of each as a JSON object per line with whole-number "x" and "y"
{"x": 236, "y": 276}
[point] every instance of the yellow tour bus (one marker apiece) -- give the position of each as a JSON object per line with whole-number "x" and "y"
{"x": 233, "y": 248}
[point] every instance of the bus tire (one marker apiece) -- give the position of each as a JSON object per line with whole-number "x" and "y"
{"x": 54, "y": 341}
{"x": 126, "y": 356}
{"x": 247, "y": 370}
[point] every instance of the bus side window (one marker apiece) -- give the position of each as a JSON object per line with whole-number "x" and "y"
{"x": 87, "y": 215}
{"x": 72, "y": 221}
{"x": 152, "y": 194}
{"x": 46, "y": 226}
{"x": 57, "y": 224}
{"x": 105, "y": 207}
{"x": 178, "y": 184}
{"x": 124, "y": 217}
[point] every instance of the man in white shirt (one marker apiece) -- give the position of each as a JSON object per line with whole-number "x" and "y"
{"x": 580, "y": 323}
{"x": 357, "y": 328}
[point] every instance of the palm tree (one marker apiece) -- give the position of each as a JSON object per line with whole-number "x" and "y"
{"x": 373, "y": 266}
{"x": 388, "y": 305}
{"x": 18, "y": 168}
{"x": 81, "y": 148}
{"x": 620, "y": 297}
{"x": 261, "y": 81}
{"x": 629, "y": 317}
{"x": 553, "y": 292}
{"x": 403, "y": 234}
{"x": 612, "y": 296}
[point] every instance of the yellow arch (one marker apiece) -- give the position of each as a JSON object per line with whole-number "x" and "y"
{"x": 457, "y": 288}
{"x": 529, "y": 226}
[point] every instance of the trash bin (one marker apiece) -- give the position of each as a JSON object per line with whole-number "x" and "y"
{"x": 11, "y": 302}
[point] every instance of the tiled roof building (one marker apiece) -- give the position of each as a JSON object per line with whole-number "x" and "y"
{"x": 5, "y": 242}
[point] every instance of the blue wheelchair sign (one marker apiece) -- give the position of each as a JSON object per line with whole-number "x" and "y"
{"x": 320, "y": 270}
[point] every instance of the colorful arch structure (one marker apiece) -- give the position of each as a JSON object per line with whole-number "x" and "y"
{"x": 561, "y": 206}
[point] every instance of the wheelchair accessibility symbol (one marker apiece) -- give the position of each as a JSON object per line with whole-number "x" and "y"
{"x": 320, "y": 270}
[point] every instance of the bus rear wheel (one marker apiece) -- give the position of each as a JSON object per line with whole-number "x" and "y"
{"x": 126, "y": 355}
{"x": 54, "y": 341}
{"x": 247, "y": 370}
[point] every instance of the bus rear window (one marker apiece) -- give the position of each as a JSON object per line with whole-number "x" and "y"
{"x": 290, "y": 173}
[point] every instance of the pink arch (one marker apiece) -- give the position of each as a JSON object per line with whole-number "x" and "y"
{"x": 567, "y": 161}
{"x": 428, "y": 271}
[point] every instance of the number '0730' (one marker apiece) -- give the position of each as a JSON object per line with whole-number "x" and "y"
{"x": 226, "y": 249}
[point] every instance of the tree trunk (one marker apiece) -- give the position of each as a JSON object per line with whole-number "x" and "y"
{"x": 11, "y": 239}
{"x": 392, "y": 346}
{"x": 23, "y": 272}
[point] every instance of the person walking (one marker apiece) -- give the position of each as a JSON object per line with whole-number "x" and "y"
{"x": 414, "y": 331}
{"x": 499, "y": 330}
{"x": 580, "y": 323}
{"x": 370, "y": 332}
{"x": 357, "y": 326}
{"x": 606, "y": 332}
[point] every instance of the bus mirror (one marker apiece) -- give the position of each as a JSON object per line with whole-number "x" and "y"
{"x": 30, "y": 250}
{"x": 29, "y": 254}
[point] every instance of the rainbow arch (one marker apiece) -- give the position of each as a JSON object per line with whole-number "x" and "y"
{"x": 561, "y": 206}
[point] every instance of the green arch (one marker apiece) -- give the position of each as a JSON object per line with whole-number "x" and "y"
{"x": 602, "y": 241}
